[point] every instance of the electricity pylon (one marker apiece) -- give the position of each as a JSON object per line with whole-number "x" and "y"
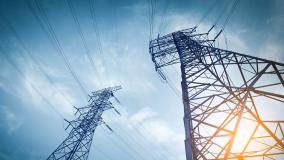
{"x": 223, "y": 93}
{"x": 77, "y": 145}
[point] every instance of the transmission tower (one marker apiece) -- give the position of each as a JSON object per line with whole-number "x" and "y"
{"x": 77, "y": 145}
{"x": 223, "y": 93}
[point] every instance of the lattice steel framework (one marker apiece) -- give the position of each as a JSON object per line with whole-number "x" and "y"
{"x": 77, "y": 145}
{"x": 226, "y": 95}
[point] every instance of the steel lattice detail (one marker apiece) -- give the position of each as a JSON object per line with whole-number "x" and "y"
{"x": 77, "y": 145}
{"x": 223, "y": 92}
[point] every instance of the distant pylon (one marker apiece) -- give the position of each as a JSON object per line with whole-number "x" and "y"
{"x": 222, "y": 93}
{"x": 77, "y": 145}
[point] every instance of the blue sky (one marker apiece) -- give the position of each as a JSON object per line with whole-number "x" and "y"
{"x": 29, "y": 127}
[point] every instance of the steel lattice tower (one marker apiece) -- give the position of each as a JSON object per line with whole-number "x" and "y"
{"x": 77, "y": 145}
{"x": 222, "y": 93}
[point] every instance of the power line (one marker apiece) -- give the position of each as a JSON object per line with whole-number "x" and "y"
{"x": 163, "y": 17}
{"x": 226, "y": 40}
{"x": 128, "y": 144}
{"x": 149, "y": 19}
{"x": 166, "y": 79}
{"x": 133, "y": 139}
{"x": 151, "y": 16}
{"x": 121, "y": 147}
{"x": 149, "y": 133}
{"x": 154, "y": 14}
{"x": 21, "y": 73}
{"x": 98, "y": 36}
{"x": 82, "y": 37}
{"x": 207, "y": 12}
{"x": 173, "y": 88}
{"x": 102, "y": 152}
{"x": 97, "y": 31}
{"x": 146, "y": 139}
{"x": 53, "y": 38}
{"x": 51, "y": 30}
{"x": 152, "y": 5}
{"x": 28, "y": 52}
{"x": 223, "y": 10}
{"x": 233, "y": 8}
{"x": 95, "y": 24}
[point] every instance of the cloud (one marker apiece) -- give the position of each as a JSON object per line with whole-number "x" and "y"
{"x": 7, "y": 73}
{"x": 49, "y": 92}
{"x": 30, "y": 76}
{"x": 157, "y": 133}
{"x": 6, "y": 86}
{"x": 235, "y": 42}
{"x": 130, "y": 119}
{"x": 149, "y": 123}
{"x": 161, "y": 132}
{"x": 142, "y": 115}
{"x": 177, "y": 22}
{"x": 271, "y": 50}
{"x": 10, "y": 120}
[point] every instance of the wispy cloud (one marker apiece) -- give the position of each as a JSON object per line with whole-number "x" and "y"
{"x": 9, "y": 120}
{"x": 49, "y": 92}
{"x": 150, "y": 124}
{"x": 271, "y": 50}
{"x": 142, "y": 115}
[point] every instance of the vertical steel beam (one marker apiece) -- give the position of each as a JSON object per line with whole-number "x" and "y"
{"x": 220, "y": 92}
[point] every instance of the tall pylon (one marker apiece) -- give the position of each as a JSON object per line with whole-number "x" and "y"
{"x": 77, "y": 145}
{"x": 223, "y": 93}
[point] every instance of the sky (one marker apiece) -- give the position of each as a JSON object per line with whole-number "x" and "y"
{"x": 32, "y": 110}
